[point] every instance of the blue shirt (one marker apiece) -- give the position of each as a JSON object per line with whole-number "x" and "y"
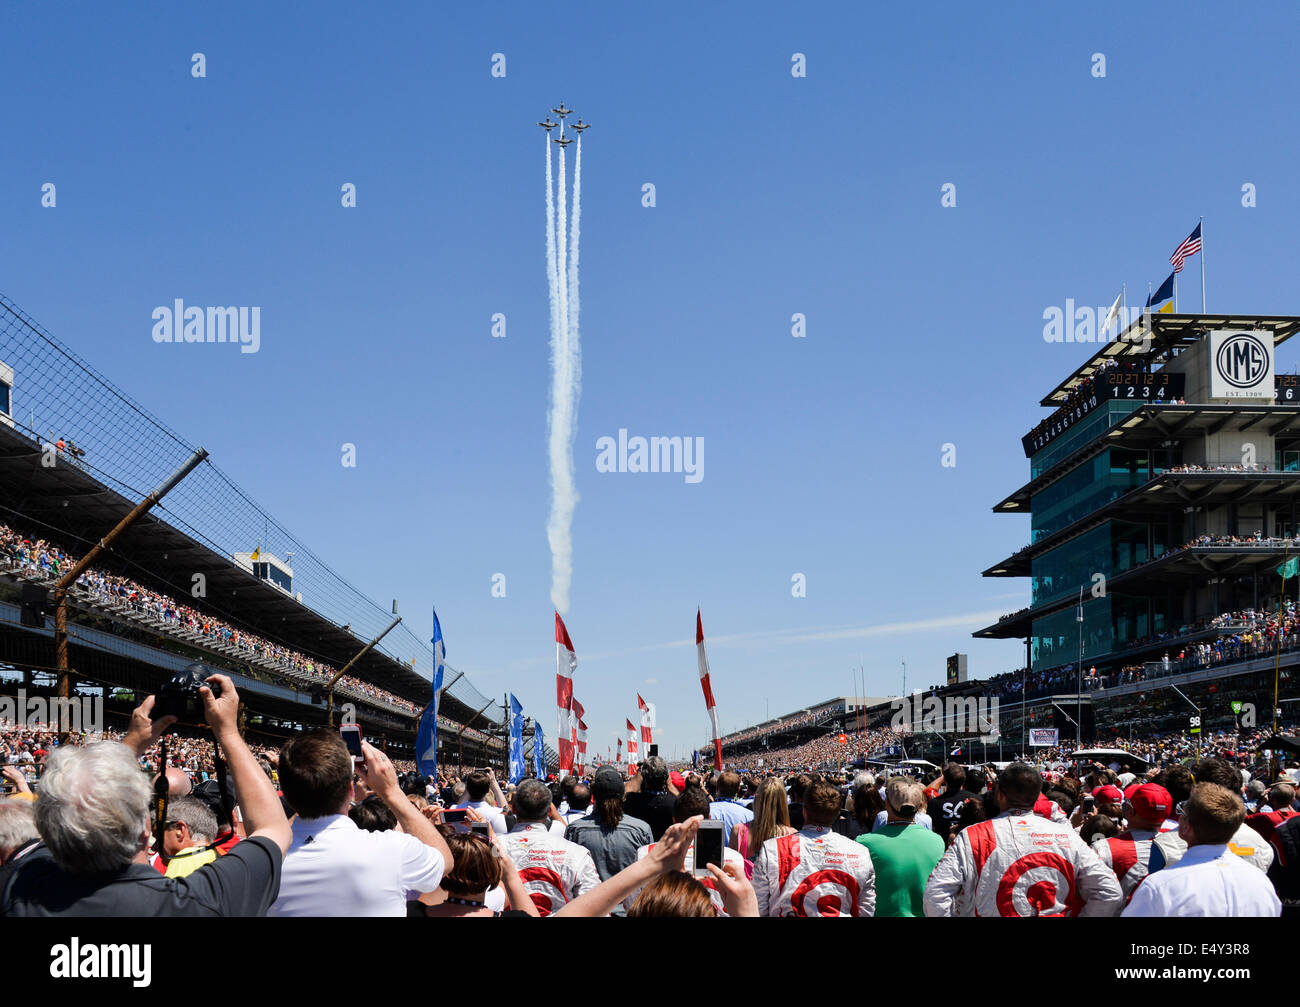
{"x": 729, "y": 813}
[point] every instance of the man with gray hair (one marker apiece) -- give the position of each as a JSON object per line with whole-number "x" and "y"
{"x": 187, "y": 836}
{"x": 554, "y": 871}
{"x": 93, "y": 815}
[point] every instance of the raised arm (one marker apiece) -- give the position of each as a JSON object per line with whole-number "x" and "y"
{"x": 379, "y": 775}
{"x": 258, "y": 804}
{"x": 669, "y": 854}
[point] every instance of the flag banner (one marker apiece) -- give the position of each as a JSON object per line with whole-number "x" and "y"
{"x": 1190, "y": 246}
{"x": 1165, "y": 292}
{"x": 517, "y": 769}
{"x": 426, "y": 742}
{"x": 575, "y": 720}
{"x": 582, "y": 745}
{"x": 1288, "y": 569}
{"x": 566, "y": 662}
{"x": 1110, "y": 315}
{"x": 707, "y": 686}
{"x": 647, "y": 720}
{"x": 539, "y": 751}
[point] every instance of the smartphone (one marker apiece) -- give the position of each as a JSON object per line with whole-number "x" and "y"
{"x": 708, "y": 848}
{"x": 484, "y": 829}
{"x": 352, "y": 738}
{"x": 1089, "y": 802}
{"x": 453, "y": 815}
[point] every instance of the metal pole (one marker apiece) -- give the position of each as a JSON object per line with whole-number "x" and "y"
{"x": 1078, "y": 724}
{"x": 1202, "y": 265}
{"x": 68, "y": 579}
{"x": 464, "y": 727}
{"x": 342, "y": 671}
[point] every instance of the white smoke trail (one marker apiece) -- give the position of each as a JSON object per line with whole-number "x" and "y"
{"x": 564, "y": 403}
{"x": 552, "y": 277}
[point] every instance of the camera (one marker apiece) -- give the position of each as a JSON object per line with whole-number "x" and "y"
{"x": 180, "y": 697}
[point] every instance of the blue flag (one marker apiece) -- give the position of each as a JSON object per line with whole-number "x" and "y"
{"x": 539, "y": 751}
{"x": 516, "y": 740}
{"x": 426, "y": 740}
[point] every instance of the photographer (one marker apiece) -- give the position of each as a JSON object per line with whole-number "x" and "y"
{"x": 93, "y": 816}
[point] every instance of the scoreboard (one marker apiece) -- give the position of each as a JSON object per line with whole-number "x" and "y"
{"x": 956, "y": 669}
{"x": 1113, "y": 386}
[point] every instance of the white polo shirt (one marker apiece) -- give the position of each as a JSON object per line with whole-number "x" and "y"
{"x": 1207, "y": 881}
{"x": 334, "y": 868}
{"x": 490, "y": 812}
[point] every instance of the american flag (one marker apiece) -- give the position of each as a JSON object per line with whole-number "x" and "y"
{"x": 1190, "y": 246}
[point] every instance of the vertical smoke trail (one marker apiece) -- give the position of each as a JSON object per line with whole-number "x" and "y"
{"x": 552, "y": 277}
{"x": 564, "y": 400}
{"x": 575, "y": 347}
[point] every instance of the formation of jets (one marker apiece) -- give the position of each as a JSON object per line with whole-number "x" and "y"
{"x": 562, "y": 112}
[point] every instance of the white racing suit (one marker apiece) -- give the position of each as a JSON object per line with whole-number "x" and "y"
{"x": 1129, "y": 856}
{"x": 553, "y": 870}
{"x": 1021, "y": 864}
{"x": 1247, "y": 844}
{"x": 814, "y": 872}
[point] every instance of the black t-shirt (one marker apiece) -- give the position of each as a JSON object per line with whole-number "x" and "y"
{"x": 244, "y": 882}
{"x": 944, "y": 809}
{"x": 656, "y": 810}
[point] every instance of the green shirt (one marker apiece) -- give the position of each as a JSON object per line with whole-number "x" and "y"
{"x": 903, "y": 856}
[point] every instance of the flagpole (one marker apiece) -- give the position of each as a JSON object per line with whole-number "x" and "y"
{"x": 1202, "y": 265}
{"x": 1175, "y": 291}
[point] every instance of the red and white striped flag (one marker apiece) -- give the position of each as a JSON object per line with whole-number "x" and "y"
{"x": 631, "y": 741}
{"x": 647, "y": 720}
{"x": 582, "y": 744}
{"x": 620, "y": 751}
{"x": 1190, "y": 246}
{"x": 707, "y": 686}
{"x": 566, "y": 661}
{"x": 578, "y": 749}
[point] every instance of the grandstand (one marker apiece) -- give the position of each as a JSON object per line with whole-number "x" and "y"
{"x": 206, "y": 575}
{"x": 1164, "y": 484}
{"x": 827, "y": 717}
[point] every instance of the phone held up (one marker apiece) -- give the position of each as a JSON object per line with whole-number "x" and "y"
{"x": 352, "y": 738}
{"x": 484, "y": 829}
{"x": 708, "y": 848}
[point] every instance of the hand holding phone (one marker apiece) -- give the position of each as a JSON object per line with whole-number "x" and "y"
{"x": 708, "y": 848}
{"x": 351, "y": 734}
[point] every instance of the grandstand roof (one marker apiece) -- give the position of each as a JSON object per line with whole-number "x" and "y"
{"x": 1150, "y": 426}
{"x": 1173, "y": 331}
{"x": 198, "y": 527}
{"x": 1170, "y": 489}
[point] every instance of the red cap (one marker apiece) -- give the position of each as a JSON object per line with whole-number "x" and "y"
{"x": 679, "y": 781}
{"x": 1130, "y": 790}
{"x": 1109, "y": 794}
{"x": 1152, "y": 802}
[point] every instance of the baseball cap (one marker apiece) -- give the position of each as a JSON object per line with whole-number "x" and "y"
{"x": 608, "y": 783}
{"x": 1109, "y": 794}
{"x": 1151, "y": 801}
{"x": 677, "y": 779}
{"x": 1130, "y": 790}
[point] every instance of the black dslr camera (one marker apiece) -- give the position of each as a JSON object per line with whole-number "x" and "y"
{"x": 180, "y": 696}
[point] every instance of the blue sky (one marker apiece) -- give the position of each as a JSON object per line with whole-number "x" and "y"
{"x": 775, "y": 195}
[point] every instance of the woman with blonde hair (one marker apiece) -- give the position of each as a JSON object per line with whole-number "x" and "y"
{"x": 771, "y": 821}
